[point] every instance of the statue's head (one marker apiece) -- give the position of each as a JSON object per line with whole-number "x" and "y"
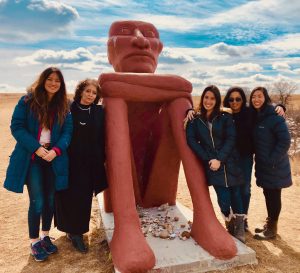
{"x": 133, "y": 46}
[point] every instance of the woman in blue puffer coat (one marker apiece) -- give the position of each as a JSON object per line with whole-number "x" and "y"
{"x": 272, "y": 167}
{"x": 212, "y": 137}
{"x": 42, "y": 126}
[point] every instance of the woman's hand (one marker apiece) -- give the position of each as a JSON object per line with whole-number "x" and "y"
{"x": 214, "y": 164}
{"x": 41, "y": 152}
{"x": 190, "y": 115}
{"x": 50, "y": 156}
{"x": 280, "y": 111}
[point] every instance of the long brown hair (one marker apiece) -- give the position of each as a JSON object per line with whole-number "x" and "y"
{"x": 216, "y": 111}
{"x": 46, "y": 111}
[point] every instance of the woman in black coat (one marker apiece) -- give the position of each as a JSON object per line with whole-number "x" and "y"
{"x": 272, "y": 167}
{"x": 87, "y": 171}
{"x": 211, "y": 135}
{"x": 243, "y": 117}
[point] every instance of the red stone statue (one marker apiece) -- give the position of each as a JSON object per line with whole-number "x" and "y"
{"x": 145, "y": 144}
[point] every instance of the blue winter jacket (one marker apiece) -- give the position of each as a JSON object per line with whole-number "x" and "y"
{"x": 25, "y": 128}
{"x": 272, "y": 141}
{"x": 219, "y": 143}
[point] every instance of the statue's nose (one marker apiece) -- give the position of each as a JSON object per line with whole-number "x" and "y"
{"x": 139, "y": 40}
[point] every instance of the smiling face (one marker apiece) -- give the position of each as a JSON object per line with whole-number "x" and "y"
{"x": 209, "y": 102}
{"x": 52, "y": 84}
{"x": 133, "y": 46}
{"x": 258, "y": 99}
{"x": 88, "y": 95}
{"x": 235, "y": 102}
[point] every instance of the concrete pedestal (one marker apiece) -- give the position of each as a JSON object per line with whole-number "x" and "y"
{"x": 181, "y": 255}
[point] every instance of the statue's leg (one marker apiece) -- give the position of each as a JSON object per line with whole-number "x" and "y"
{"x": 129, "y": 248}
{"x": 137, "y": 193}
{"x": 107, "y": 201}
{"x": 163, "y": 179}
{"x": 206, "y": 229}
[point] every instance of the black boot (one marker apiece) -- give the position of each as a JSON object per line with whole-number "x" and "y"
{"x": 261, "y": 229}
{"x": 77, "y": 242}
{"x": 230, "y": 226}
{"x": 269, "y": 232}
{"x": 246, "y": 227}
{"x": 239, "y": 229}
{"x": 229, "y": 223}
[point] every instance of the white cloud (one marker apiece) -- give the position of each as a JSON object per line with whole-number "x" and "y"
{"x": 283, "y": 45}
{"x": 228, "y": 50}
{"x": 86, "y": 4}
{"x": 80, "y": 59}
{"x": 241, "y": 68}
{"x": 31, "y": 20}
{"x": 218, "y": 52}
{"x": 262, "y": 13}
{"x": 56, "y": 57}
{"x": 281, "y": 66}
{"x": 175, "y": 56}
{"x": 262, "y": 78}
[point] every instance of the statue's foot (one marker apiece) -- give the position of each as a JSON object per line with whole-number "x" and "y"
{"x": 214, "y": 239}
{"x": 130, "y": 251}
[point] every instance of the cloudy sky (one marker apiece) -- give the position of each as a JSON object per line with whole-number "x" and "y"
{"x": 234, "y": 42}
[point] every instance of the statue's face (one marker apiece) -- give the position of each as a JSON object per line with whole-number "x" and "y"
{"x": 133, "y": 46}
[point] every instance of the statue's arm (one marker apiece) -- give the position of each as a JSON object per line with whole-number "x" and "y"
{"x": 133, "y": 92}
{"x": 166, "y": 82}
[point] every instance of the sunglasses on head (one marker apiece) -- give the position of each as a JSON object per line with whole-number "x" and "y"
{"x": 235, "y": 99}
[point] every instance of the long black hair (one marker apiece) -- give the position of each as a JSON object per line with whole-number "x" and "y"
{"x": 266, "y": 95}
{"x": 216, "y": 111}
{"x": 230, "y": 91}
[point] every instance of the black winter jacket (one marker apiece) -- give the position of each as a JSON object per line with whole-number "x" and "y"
{"x": 244, "y": 127}
{"x": 272, "y": 141}
{"x": 219, "y": 143}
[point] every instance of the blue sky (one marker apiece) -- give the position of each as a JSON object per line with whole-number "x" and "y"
{"x": 246, "y": 43}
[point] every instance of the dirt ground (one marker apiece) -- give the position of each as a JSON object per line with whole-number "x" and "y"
{"x": 279, "y": 256}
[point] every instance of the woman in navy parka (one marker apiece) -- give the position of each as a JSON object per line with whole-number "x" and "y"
{"x": 42, "y": 126}
{"x": 211, "y": 136}
{"x": 272, "y": 167}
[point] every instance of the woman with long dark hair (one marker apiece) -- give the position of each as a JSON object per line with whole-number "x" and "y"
{"x": 87, "y": 171}
{"x": 211, "y": 135}
{"x": 272, "y": 167}
{"x": 42, "y": 126}
{"x": 235, "y": 99}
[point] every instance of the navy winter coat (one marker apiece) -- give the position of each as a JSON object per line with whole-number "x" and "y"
{"x": 219, "y": 143}
{"x": 272, "y": 141}
{"x": 24, "y": 128}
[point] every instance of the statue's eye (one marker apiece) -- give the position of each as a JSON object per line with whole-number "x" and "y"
{"x": 125, "y": 31}
{"x": 149, "y": 33}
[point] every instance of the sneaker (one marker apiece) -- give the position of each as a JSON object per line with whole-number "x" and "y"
{"x": 47, "y": 244}
{"x": 38, "y": 252}
{"x": 77, "y": 242}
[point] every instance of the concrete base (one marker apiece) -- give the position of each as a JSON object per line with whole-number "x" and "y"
{"x": 177, "y": 255}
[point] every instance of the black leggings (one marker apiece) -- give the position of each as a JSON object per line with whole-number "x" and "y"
{"x": 273, "y": 202}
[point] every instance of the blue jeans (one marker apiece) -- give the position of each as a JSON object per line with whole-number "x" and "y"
{"x": 41, "y": 189}
{"x": 246, "y": 163}
{"x": 229, "y": 198}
